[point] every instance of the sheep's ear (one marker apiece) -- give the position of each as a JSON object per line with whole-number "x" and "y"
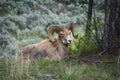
{"x": 51, "y": 31}
{"x": 70, "y": 26}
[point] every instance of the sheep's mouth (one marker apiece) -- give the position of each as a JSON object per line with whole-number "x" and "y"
{"x": 66, "y": 42}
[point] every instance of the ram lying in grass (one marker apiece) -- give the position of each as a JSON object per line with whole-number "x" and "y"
{"x": 52, "y": 49}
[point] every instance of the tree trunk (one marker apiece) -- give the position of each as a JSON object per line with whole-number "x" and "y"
{"x": 89, "y": 16}
{"x": 111, "y": 36}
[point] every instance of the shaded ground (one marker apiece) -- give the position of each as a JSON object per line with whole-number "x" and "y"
{"x": 95, "y": 58}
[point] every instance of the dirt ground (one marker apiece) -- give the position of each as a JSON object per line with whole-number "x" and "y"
{"x": 96, "y": 58}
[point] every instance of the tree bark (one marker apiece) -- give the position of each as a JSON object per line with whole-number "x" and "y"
{"x": 111, "y": 36}
{"x": 89, "y": 16}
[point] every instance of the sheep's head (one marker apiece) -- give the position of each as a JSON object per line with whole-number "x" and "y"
{"x": 63, "y": 33}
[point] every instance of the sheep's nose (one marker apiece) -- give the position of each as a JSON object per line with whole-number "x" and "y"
{"x": 69, "y": 41}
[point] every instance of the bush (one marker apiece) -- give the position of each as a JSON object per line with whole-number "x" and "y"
{"x": 83, "y": 45}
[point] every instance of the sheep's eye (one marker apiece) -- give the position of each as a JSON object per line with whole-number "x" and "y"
{"x": 61, "y": 35}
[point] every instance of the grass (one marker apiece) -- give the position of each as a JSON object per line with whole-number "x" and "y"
{"x": 10, "y": 69}
{"x": 83, "y": 46}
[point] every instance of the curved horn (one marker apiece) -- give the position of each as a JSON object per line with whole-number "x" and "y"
{"x": 70, "y": 26}
{"x": 51, "y": 30}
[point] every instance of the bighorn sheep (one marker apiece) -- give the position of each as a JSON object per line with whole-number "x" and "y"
{"x": 52, "y": 49}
